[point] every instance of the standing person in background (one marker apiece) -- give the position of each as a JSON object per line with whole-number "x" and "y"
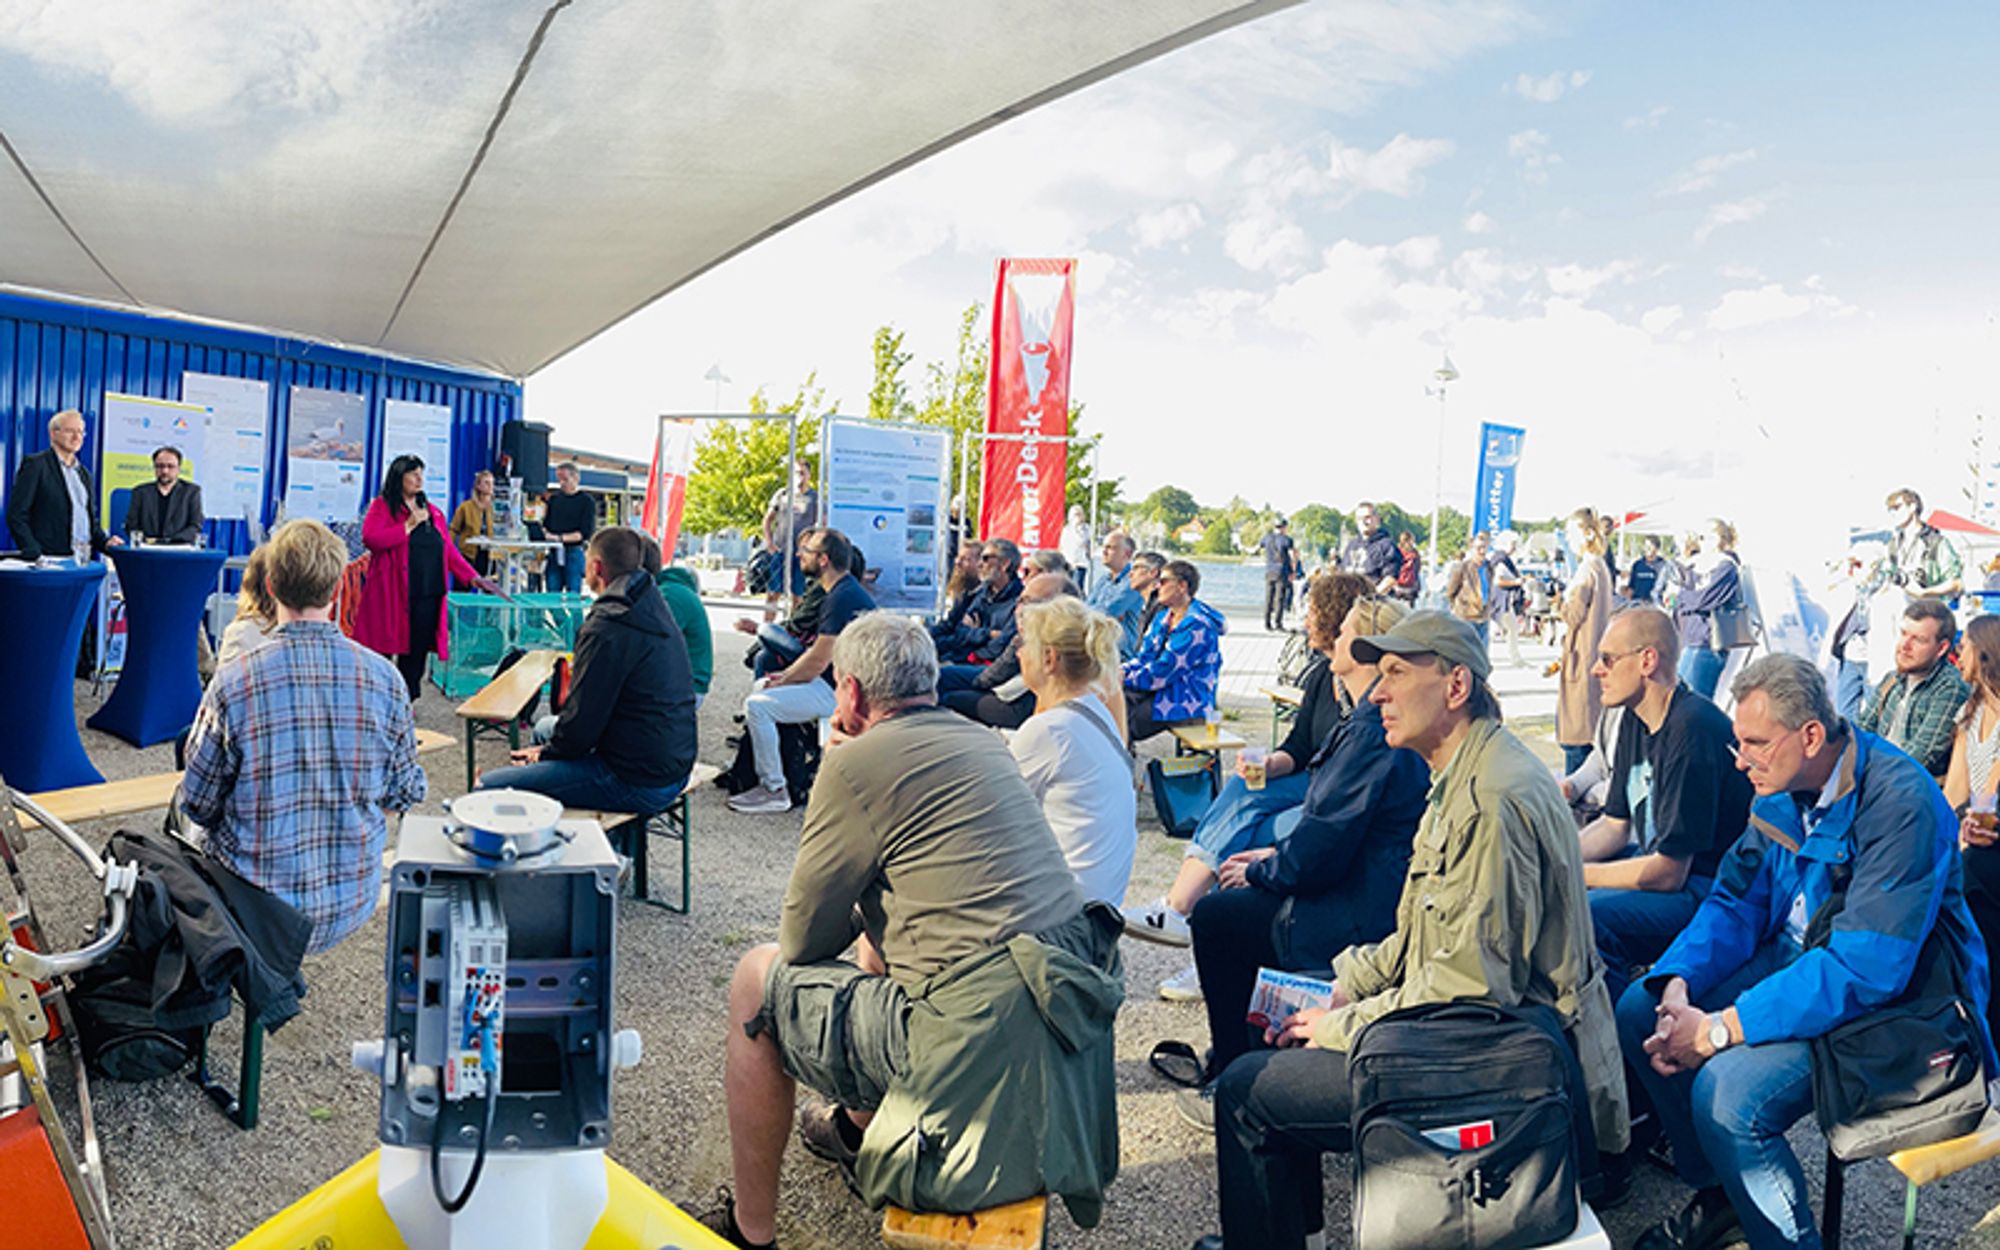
{"x": 1281, "y": 562}
{"x": 1410, "y": 574}
{"x": 570, "y": 518}
{"x": 410, "y": 567}
{"x": 1510, "y": 593}
{"x": 1469, "y": 590}
{"x": 1075, "y": 547}
{"x": 49, "y": 510}
{"x": 1372, "y": 552}
{"x": 1642, "y": 580}
{"x": 1711, "y": 579}
{"x": 170, "y": 510}
{"x": 1922, "y": 562}
{"x": 474, "y": 519}
{"x": 805, "y": 515}
{"x": 1586, "y": 613}
{"x": 1970, "y": 782}
{"x": 1607, "y": 529}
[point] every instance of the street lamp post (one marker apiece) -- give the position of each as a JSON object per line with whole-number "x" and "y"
{"x": 717, "y": 376}
{"x": 1444, "y": 375}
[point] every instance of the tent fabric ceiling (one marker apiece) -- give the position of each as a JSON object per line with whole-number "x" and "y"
{"x": 492, "y": 183}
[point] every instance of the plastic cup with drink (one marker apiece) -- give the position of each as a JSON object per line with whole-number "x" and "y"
{"x": 1252, "y": 759}
{"x": 1984, "y": 813}
{"x": 1213, "y": 718}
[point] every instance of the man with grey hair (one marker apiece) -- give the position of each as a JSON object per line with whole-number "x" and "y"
{"x": 51, "y": 510}
{"x": 1844, "y": 885}
{"x": 925, "y": 854}
{"x": 1112, "y": 591}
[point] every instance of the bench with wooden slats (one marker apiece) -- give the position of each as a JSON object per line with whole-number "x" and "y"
{"x": 131, "y": 795}
{"x": 497, "y": 706}
{"x": 1016, "y": 1226}
{"x": 1920, "y": 1165}
{"x": 1285, "y": 704}
{"x": 631, "y": 835}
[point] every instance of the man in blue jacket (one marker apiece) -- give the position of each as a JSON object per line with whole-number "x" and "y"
{"x": 1719, "y": 1032}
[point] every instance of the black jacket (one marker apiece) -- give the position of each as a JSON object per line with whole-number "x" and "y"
{"x": 205, "y": 930}
{"x": 173, "y": 518}
{"x": 1319, "y": 711}
{"x": 983, "y": 609}
{"x": 631, "y": 692}
{"x": 38, "y": 508}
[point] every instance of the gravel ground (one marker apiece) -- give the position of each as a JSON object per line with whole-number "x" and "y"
{"x": 182, "y": 1177}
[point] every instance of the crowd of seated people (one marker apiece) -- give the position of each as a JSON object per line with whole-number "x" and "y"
{"x": 998, "y": 694}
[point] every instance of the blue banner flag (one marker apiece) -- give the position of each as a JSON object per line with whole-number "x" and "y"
{"x": 1499, "y": 463}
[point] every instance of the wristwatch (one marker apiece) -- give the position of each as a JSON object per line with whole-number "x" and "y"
{"x": 1718, "y": 1033}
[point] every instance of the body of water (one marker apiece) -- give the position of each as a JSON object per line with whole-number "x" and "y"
{"x": 1234, "y": 587}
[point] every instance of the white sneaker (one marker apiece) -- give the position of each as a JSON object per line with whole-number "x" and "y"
{"x": 762, "y": 800}
{"x": 1157, "y": 922}
{"x": 1182, "y": 987}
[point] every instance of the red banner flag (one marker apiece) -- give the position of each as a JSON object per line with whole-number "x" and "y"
{"x": 1021, "y": 487}
{"x": 666, "y": 485}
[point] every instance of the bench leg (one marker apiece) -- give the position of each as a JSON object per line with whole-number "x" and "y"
{"x": 677, "y": 815}
{"x": 242, "y": 1106}
{"x": 1910, "y": 1216}
{"x": 471, "y": 735}
{"x": 1836, "y": 1185}
{"x": 642, "y": 885}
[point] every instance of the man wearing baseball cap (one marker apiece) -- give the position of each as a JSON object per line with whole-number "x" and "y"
{"x": 1496, "y": 853}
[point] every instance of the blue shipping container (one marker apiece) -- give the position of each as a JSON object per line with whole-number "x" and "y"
{"x": 56, "y": 355}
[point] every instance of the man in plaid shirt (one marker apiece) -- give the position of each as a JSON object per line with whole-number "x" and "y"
{"x": 1916, "y": 707}
{"x": 301, "y": 748}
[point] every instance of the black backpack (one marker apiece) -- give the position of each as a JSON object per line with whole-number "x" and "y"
{"x": 798, "y": 745}
{"x": 122, "y": 1041}
{"x": 1469, "y": 1122}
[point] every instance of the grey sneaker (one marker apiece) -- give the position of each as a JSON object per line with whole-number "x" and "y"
{"x": 762, "y": 800}
{"x": 1157, "y": 922}
{"x": 1197, "y": 1106}
{"x": 1182, "y": 987}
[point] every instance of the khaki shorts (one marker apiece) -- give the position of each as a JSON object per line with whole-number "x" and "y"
{"x": 840, "y": 1031}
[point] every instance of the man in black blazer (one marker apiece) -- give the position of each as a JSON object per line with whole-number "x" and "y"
{"x": 169, "y": 511}
{"x": 49, "y": 510}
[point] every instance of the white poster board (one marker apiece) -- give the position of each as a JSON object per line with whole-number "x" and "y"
{"x": 324, "y": 448}
{"x": 884, "y": 487}
{"x": 423, "y": 431}
{"x": 232, "y": 451}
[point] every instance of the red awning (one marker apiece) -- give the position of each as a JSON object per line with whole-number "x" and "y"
{"x": 1952, "y": 523}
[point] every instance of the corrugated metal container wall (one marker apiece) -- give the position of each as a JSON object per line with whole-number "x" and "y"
{"x": 55, "y": 355}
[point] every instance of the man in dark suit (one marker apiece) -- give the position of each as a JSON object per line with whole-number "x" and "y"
{"x": 170, "y": 510}
{"x": 49, "y": 510}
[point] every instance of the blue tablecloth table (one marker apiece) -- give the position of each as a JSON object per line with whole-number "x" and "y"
{"x": 42, "y": 615}
{"x": 159, "y": 687}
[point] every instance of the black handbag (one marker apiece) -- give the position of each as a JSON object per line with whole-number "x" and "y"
{"x": 1469, "y": 1124}
{"x": 1903, "y": 1075}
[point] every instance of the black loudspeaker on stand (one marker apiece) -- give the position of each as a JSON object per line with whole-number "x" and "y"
{"x": 526, "y": 444}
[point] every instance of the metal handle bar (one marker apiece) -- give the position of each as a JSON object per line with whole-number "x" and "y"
{"x": 119, "y": 881}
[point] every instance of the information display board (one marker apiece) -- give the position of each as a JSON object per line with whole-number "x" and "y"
{"x": 134, "y": 426}
{"x": 324, "y": 449}
{"x": 232, "y": 452}
{"x": 885, "y": 488}
{"x": 423, "y": 431}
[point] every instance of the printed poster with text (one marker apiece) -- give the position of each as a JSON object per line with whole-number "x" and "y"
{"x": 325, "y": 444}
{"x": 885, "y": 490}
{"x": 134, "y": 427}
{"x": 232, "y": 452}
{"x": 423, "y": 431}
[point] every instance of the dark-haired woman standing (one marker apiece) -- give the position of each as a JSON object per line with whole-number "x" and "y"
{"x": 411, "y": 563}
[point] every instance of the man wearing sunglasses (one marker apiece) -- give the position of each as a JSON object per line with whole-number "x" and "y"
{"x": 979, "y": 625}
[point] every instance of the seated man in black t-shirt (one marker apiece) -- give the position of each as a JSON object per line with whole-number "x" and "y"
{"x": 802, "y": 691}
{"x": 1676, "y": 800}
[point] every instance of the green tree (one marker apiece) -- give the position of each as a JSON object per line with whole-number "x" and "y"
{"x": 1170, "y": 506}
{"x": 954, "y": 399}
{"x": 1316, "y": 529}
{"x": 889, "y": 396}
{"x": 1217, "y": 540}
{"x": 739, "y": 465}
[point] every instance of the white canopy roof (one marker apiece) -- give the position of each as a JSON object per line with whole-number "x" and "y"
{"x": 490, "y": 182}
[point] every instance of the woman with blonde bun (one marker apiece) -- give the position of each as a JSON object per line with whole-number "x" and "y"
{"x": 1071, "y": 751}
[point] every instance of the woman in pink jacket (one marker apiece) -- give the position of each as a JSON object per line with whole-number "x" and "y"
{"x": 411, "y": 564}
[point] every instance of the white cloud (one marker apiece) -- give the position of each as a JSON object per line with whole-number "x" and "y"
{"x": 1702, "y": 175}
{"x": 1479, "y": 223}
{"x": 1395, "y": 168}
{"x": 1420, "y": 252}
{"x": 1746, "y": 273}
{"x": 1762, "y": 305}
{"x": 1581, "y": 281}
{"x": 1731, "y": 213}
{"x": 1660, "y": 320}
{"x": 1162, "y": 226}
{"x": 1648, "y": 120}
{"x": 1550, "y": 87}
{"x": 1535, "y": 152}
{"x": 1264, "y": 238}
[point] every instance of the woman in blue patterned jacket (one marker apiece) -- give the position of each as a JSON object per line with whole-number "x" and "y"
{"x": 1172, "y": 679}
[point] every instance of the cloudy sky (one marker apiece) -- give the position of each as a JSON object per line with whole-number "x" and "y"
{"x": 1712, "y": 256}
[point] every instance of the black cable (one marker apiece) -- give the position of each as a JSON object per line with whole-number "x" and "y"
{"x": 452, "y": 1206}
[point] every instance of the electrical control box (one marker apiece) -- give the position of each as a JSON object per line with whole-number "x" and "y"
{"x": 462, "y": 971}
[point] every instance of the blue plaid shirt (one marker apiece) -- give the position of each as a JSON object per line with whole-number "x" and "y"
{"x": 299, "y": 749}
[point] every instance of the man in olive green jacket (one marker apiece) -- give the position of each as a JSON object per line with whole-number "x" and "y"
{"x": 967, "y": 1048}
{"x": 1493, "y": 910}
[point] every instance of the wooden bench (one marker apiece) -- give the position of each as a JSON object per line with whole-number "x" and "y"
{"x": 498, "y": 705}
{"x": 630, "y": 834}
{"x": 1285, "y": 704}
{"x": 132, "y": 795}
{"x": 1016, "y": 1226}
{"x": 1920, "y": 1165}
